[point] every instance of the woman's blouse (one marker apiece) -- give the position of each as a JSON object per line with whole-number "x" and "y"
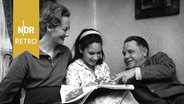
{"x": 79, "y": 75}
{"x": 30, "y": 72}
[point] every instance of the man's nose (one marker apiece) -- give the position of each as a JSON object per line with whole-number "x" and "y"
{"x": 127, "y": 55}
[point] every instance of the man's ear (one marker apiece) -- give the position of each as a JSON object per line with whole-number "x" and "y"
{"x": 145, "y": 51}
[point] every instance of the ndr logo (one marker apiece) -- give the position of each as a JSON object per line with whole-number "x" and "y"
{"x": 25, "y": 29}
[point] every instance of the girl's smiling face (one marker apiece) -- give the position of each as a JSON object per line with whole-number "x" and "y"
{"x": 92, "y": 54}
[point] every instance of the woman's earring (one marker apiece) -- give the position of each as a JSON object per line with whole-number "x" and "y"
{"x": 48, "y": 29}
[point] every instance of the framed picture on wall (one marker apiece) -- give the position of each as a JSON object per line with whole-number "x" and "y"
{"x": 155, "y": 8}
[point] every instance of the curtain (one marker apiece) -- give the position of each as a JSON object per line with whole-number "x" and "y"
{"x": 5, "y": 44}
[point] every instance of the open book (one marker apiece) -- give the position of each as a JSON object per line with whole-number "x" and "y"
{"x": 71, "y": 94}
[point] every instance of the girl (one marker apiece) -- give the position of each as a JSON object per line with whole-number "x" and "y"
{"x": 88, "y": 67}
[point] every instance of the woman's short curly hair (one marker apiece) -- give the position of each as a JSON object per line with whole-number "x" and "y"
{"x": 51, "y": 14}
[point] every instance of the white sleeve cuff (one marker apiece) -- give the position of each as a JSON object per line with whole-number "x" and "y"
{"x": 138, "y": 75}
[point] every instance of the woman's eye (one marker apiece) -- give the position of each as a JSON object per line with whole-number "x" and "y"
{"x": 64, "y": 30}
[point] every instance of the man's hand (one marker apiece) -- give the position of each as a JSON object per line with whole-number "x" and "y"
{"x": 125, "y": 75}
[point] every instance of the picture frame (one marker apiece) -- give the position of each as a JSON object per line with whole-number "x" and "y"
{"x": 155, "y": 8}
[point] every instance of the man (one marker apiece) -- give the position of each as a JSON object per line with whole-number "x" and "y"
{"x": 154, "y": 78}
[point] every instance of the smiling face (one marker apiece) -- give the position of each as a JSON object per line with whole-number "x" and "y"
{"x": 92, "y": 54}
{"x": 134, "y": 55}
{"x": 59, "y": 33}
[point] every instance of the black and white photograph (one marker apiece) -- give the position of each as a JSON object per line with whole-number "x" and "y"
{"x": 92, "y": 52}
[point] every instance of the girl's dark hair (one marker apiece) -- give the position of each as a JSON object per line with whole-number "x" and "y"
{"x": 51, "y": 14}
{"x": 83, "y": 42}
{"x": 140, "y": 42}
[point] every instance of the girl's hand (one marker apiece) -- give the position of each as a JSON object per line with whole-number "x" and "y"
{"x": 91, "y": 84}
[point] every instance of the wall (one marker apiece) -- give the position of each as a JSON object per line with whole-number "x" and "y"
{"x": 116, "y": 21}
{"x": 82, "y": 16}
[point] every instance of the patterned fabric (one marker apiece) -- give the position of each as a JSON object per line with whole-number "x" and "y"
{"x": 78, "y": 74}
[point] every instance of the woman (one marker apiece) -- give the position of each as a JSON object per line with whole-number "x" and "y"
{"x": 41, "y": 78}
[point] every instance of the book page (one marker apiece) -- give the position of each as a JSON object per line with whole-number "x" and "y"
{"x": 66, "y": 89}
{"x": 119, "y": 86}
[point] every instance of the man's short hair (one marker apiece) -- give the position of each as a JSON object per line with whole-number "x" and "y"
{"x": 140, "y": 42}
